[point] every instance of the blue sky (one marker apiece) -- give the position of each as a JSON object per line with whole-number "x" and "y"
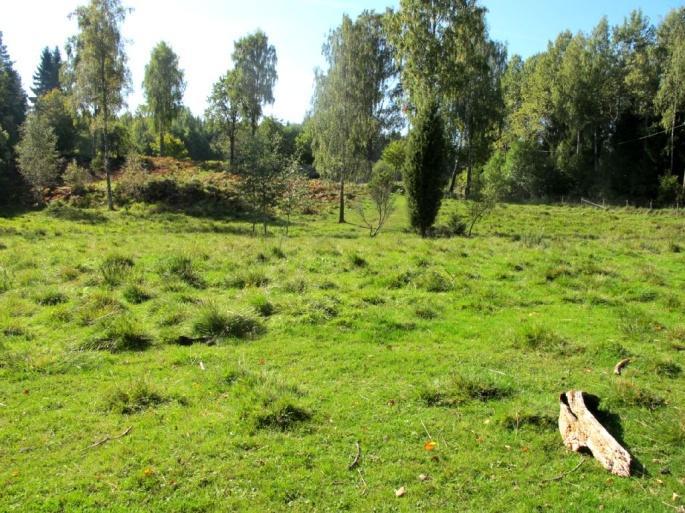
{"x": 202, "y": 33}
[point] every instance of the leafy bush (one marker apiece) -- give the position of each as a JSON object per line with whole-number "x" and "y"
{"x": 115, "y": 268}
{"x": 380, "y": 189}
{"x": 76, "y": 177}
{"x": 671, "y": 191}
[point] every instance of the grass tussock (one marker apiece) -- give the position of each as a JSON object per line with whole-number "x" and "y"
{"x": 136, "y": 398}
{"x": 281, "y": 415}
{"x": 115, "y": 269}
{"x": 627, "y": 393}
{"x": 460, "y": 389}
{"x": 121, "y": 334}
{"x": 136, "y": 295}
{"x": 537, "y": 421}
{"x": 540, "y": 338}
{"x": 182, "y": 268}
{"x": 668, "y": 369}
{"x": 213, "y": 324}
{"x": 51, "y": 298}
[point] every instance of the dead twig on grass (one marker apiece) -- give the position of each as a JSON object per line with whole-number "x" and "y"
{"x": 357, "y": 457}
{"x": 109, "y": 438}
{"x": 563, "y": 474}
{"x": 621, "y": 365}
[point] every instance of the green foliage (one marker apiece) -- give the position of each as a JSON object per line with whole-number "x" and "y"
{"x": 350, "y": 105}
{"x": 98, "y": 66}
{"x": 395, "y": 154}
{"x": 424, "y": 172}
{"x": 135, "y": 294}
{"x": 262, "y": 177}
{"x": 164, "y": 87}
{"x": 46, "y": 77}
{"x": 39, "y": 161}
{"x": 76, "y": 177}
{"x": 380, "y": 188}
{"x": 255, "y": 65}
{"x": 671, "y": 192}
{"x": 55, "y": 106}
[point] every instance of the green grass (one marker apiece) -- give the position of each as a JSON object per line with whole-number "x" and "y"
{"x": 248, "y": 368}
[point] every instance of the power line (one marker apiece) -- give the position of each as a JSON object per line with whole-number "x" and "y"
{"x": 650, "y": 135}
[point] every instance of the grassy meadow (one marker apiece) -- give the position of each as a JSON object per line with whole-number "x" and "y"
{"x": 153, "y": 361}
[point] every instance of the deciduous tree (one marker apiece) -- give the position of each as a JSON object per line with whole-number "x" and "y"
{"x": 99, "y": 66}
{"x": 164, "y": 87}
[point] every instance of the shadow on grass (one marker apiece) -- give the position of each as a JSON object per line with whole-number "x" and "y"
{"x": 612, "y": 423}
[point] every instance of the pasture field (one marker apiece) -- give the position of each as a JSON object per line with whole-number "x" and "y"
{"x": 237, "y": 373}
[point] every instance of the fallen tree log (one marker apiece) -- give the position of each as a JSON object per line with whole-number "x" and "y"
{"x": 580, "y": 429}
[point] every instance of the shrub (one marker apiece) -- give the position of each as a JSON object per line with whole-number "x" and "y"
{"x": 76, "y": 177}
{"x": 380, "y": 189}
{"x": 455, "y": 226}
{"x": 425, "y": 168}
{"x": 114, "y": 269}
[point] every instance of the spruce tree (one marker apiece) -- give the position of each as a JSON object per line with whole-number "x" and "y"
{"x": 425, "y": 168}
{"x": 46, "y": 77}
{"x": 12, "y": 115}
{"x": 12, "y": 97}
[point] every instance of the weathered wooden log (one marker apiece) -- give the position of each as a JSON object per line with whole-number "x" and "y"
{"x": 580, "y": 429}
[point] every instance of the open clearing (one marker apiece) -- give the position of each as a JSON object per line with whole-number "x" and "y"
{"x": 247, "y": 368}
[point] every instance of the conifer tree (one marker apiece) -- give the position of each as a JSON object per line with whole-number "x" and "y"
{"x": 46, "y": 77}
{"x": 425, "y": 168}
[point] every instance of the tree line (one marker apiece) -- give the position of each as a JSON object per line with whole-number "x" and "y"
{"x": 596, "y": 114}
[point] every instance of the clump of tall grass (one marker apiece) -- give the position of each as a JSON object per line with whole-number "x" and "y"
{"x": 114, "y": 269}
{"x": 120, "y": 334}
{"x": 212, "y": 324}
{"x": 183, "y": 268}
